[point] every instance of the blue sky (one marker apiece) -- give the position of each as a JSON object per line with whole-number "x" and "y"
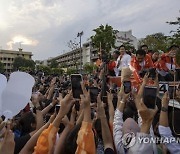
{"x": 45, "y": 26}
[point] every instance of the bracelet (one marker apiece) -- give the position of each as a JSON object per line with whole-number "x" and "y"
{"x": 51, "y": 105}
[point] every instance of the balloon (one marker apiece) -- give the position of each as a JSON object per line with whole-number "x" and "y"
{"x": 3, "y": 82}
{"x": 17, "y": 93}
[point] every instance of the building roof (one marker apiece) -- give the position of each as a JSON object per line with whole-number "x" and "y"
{"x": 15, "y": 52}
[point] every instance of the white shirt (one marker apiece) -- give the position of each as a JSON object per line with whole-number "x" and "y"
{"x": 124, "y": 61}
{"x": 173, "y": 147}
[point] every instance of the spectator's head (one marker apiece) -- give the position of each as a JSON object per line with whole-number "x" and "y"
{"x": 145, "y": 48}
{"x": 116, "y": 54}
{"x": 173, "y": 50}
{"x": 28, "y": 123}
{"x": 140, "y": 55}
{"x": 155, "y": 56}
{"x": 129, "y": 126}
{"x": 122, "y": 49}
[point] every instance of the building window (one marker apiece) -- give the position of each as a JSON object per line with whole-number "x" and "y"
{"x": 4, "y": 58}
{"x": 9, "y": 59}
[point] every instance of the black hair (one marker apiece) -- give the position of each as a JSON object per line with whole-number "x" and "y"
{"x": 122, "y": 46}
{"x": 140, "y": 52}
{"x": 116, "y": 52}
{"x": 70, "y": 141}
{"x": 173, "y": 47}
{"x": 26, "y": 121}
{"x": 128, "y": 113}
{"x": 143, "y": 46}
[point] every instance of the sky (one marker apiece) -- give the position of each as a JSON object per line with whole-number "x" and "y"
{"x": 45, "y": 27}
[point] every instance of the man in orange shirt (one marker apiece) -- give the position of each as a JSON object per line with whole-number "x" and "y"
{"x": 168, "y": 63}
{"x": 140, "y": 64}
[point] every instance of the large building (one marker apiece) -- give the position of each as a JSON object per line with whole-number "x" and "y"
{"x": 126, "y": 37}
{"x": 7, "y": 57}
{"x": 88, "y": 54}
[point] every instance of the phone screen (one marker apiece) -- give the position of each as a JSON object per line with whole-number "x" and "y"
{"x": 149, "y": 96}
{"x": 76, "y": 86}
{"x": 127, "y": 87}
{"x": 57, "y": 108}
{"x": 94, "y": 91}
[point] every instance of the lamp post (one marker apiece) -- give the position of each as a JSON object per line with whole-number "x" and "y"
{"x": 80, "y": 35}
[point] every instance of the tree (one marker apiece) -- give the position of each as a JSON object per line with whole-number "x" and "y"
{"x": 89, "y": 68}
{"x": 1, "y": 67}
{"x": 175, "y": 38}
{"x": 20, "y": 62}
{"x": 45, "y": 69}
{"x": 53, "y": 64}
{"x": 157, "y": 41}
{"x": 71, "y": 71}
{"x": 104, "y": 37}
{"x": 58, "y": 71}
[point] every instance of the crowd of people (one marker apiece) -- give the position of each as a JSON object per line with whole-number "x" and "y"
{"x": 117, "y": 122}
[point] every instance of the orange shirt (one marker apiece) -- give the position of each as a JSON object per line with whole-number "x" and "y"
{"x": 85, "y": 140}
{"x": 166, "y": 60}
{"x": 46, "y": 141}
{"x": 136, "y": 67}
{"x": 111, "y": 65}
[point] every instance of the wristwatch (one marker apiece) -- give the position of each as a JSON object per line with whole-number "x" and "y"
{"x": 164, "y": 109}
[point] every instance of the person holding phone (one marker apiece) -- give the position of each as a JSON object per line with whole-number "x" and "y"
{"x": 168, "y": 63}
{"x": 139, "y": 63}
{"x": 164, "y": 128}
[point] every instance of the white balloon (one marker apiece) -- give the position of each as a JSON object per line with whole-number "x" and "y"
{"x": 3, "y": 83}
{"x": 17, "y": 93}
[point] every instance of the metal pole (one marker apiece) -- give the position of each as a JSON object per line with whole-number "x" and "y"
{"x": 80, "y": 35}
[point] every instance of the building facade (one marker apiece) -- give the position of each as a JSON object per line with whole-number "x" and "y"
{"x": 7, "y": 57}
{"x": 126, "y": 37}
{"x": 88, "y": 54}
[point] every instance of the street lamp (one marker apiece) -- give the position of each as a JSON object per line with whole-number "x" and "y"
{"x": 80, "y": 35}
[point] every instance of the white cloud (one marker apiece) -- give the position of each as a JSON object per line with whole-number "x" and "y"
{"x": 47, "y": 25}
{"x": 19, "y": 39}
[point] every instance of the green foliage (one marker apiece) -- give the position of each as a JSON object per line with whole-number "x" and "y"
{"x": 53, "y": 64}
{"x": 105, "y": 35}
{"x": 89, "y": 68}
{"x": 58, "y": 71}
{"x": 20, "y": 62}
{"x": 157, "y": 41}
{"x": 71, "y": 71}
{"x": 1, "y": 67}
{"x": 128, "y": 46}
{"x": 43, "y": 68}
{"x": 175, "y": 38}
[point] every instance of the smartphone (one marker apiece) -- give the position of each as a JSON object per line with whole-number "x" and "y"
{"x": 76, "y": 86}
{"x": 152, "y": 73}
{"x": 127, "y": 86}
{"x": 56, "y": 94}
{"x": 150, "y": 96}
{"x": 57, "y": 108}
{"x": 94, "y": 91}
{"x": 77, "y": 105}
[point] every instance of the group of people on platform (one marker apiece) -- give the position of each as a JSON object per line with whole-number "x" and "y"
{"x": 143, "y": 60}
